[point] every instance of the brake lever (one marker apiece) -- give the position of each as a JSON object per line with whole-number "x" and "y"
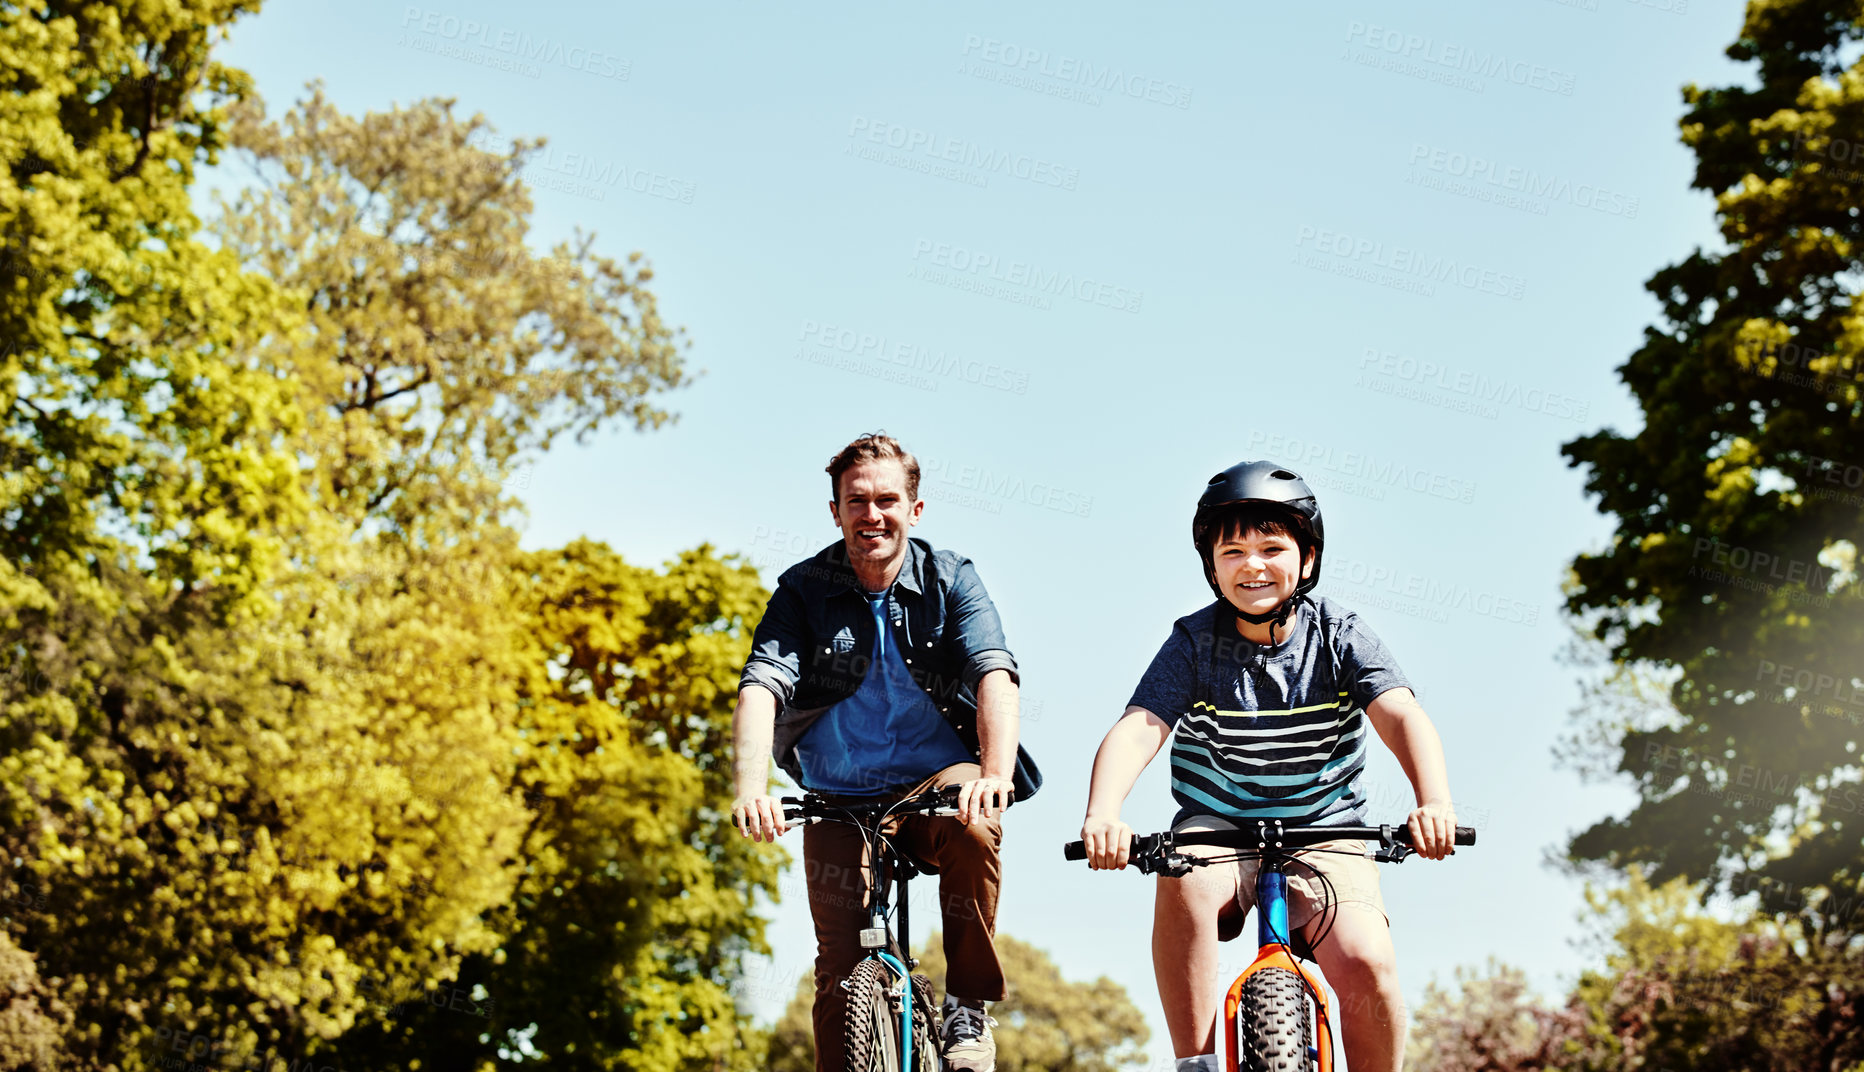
{"x": 1154, "y": 856}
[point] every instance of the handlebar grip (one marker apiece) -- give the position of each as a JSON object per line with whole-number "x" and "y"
{"x": 1074, "y": 850}
{"x": 1465, "y": 835}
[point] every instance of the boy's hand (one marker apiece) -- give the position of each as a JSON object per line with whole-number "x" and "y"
{"x": 759, "y": 818}
{"x": 984, "y": 798}
{"x": 1109, "y": 843}
{"x": 1433, "y": 830}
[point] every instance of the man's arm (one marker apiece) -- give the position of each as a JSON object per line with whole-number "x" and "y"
{"x": 997, "y": 726}
{"x": 769, "y": 680}
{"x": 990, "y": 670}
{"x": 1408, "y": 732}
{"x": 972, "y": 617}
{"x": 753, "y": 726}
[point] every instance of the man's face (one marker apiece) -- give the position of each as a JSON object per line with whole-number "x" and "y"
{"x": 1256, "y": 571}
{"x": 874, "y": 511}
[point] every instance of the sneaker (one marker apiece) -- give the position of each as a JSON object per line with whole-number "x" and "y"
{"x": 968, "y": 1046}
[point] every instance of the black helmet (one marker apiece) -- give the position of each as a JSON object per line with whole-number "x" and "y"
{"x": 1263, "y": 482}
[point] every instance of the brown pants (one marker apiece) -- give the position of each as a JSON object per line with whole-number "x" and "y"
{"x": 835, "y": 864}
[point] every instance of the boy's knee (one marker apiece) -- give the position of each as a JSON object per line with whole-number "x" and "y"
{"x": 1365, "y": 968}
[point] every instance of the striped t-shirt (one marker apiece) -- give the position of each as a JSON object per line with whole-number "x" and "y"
{"x": 1270, "y": 733}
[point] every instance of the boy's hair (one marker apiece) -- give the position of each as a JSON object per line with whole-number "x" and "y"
{"x": 873, "y": 447}
{"x": 1267, "y": 519}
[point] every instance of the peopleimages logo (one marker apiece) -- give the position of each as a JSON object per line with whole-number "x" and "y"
{"x": 866, "y": 345}
{"x": 1481, "y": 172}
{"x": 472, "y": 32}
{"x": 1486, "y": 391}
{"x": 1431, "y": 592}
{"x": 965, "y": 262}
{"x": 1409, "y": 264}
{"x": 581, "y": 174}
{"x": 1418, "y": 48}
{"x": 991, "y": 487}
{"x": 1377, "y": 471}
{"x": 1006, "y": 57}
{"x": 926, "y": 149}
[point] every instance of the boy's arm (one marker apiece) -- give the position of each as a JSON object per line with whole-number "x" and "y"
{"x": 1128, "y": 747}
{"x": 1407, "y": 731}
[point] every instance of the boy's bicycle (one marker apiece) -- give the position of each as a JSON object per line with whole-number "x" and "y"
{"x": 1276, "y": 1011}
{"x": 892, "y": 1024}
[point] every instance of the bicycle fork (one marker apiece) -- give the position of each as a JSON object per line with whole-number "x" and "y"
{"x": 876, "y": 940}
{"x": 1273, "y": 951}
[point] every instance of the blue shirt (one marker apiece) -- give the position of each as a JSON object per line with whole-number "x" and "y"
{"x": 887, "y": 735}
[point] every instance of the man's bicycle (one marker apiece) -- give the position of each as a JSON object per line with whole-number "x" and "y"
{"x": 1275, "y": 1013}
{"x": 891, "y": 1021}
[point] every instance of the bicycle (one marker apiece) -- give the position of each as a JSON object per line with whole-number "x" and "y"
{"x": 1276, "y": 1012}
{"x": 891, "y": 1022}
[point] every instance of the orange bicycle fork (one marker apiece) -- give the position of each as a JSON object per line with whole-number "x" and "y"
{"x": 1273, "y": 952}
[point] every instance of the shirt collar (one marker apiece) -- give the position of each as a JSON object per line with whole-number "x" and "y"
{"x": 911, "y": 575}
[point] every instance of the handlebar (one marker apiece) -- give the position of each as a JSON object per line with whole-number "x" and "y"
{"x": 810, "y": 808}
{"x": 1156, "y": 851}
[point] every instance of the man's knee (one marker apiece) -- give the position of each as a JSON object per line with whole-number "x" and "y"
{"x": 987, "y": 834}
{"x": 967, "y": 846}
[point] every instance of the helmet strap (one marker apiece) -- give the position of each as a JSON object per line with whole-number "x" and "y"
{"x": 1277, "y": 618}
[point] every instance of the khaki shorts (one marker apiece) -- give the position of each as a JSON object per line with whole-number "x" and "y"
{"x": 1354, "y": 879}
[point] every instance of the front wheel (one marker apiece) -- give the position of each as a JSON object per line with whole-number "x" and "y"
{"x": 925, "y": 1027}
{"x": 873, "y": 1027}
{"x": 1272, "y": 1026}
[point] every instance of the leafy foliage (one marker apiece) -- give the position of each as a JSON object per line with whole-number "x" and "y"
{"x": 1734, "y": 564}
{"x": 300, "y": 754}
{"x": 1680, "y": 989}
{"x": 635, "y": 906}
{"x": 1044, "y": 1024}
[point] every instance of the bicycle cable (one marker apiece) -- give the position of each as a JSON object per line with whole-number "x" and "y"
{"x": 1329, "y": 899}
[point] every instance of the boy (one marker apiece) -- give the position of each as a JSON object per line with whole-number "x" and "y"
{"x": 1270, "y": 690}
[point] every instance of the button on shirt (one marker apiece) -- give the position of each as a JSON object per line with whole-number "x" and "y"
{"x": 887, "y": 735}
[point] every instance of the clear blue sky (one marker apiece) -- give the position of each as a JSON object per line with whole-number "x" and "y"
{"x": 1081, "y": 257}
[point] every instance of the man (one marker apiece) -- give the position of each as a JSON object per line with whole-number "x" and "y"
{"x": 880, "y": 671}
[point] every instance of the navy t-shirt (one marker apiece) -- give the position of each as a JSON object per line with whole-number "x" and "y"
{"x": 1270, "y": 732}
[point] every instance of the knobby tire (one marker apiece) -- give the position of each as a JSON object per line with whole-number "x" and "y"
{"x": 925, "y": 1027}
{"x": 872, "y": 1037}
{"x": 1273, "y": 1031}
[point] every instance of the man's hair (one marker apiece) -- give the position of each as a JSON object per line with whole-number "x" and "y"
{"x": 873, "y": 447}
{"x": 1266, "y": 519}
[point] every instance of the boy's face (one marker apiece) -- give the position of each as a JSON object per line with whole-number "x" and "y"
{"x": 1256, "y": 570}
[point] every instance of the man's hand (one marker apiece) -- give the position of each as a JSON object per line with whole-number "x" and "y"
{"x": 984, "y": 798}
{"x": 1433, "y": 830}
{"x": 759, "y": 818}
{"x": 1109, "y": 843}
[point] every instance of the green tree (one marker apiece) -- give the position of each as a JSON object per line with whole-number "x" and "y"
{"x": 1678, "y": 988}
{"x": 1044, "y": 1024}
{"x": 1733, "y": 568}
{"x": 1487, "y": 1022}
{"x": 636, "y": 905}
{"x": 792, "y": 1038}
{"x": 32, "y": 1019}
{"x": 263, "y": 754}
{"x": 440, "y": 352}
{"x": 150, "y": 489}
